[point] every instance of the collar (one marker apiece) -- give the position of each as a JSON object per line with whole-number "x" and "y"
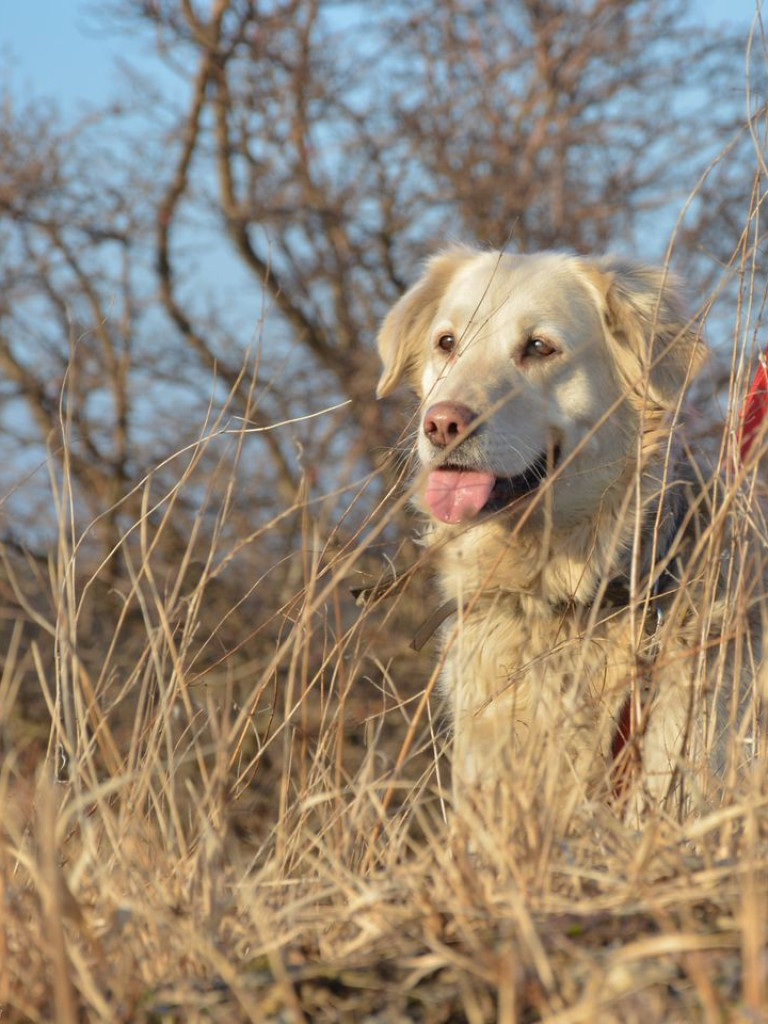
{"x": 615, "y": 597}
{"x": 664, "y": 579}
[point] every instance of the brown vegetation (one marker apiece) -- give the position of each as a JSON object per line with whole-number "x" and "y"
{"x": 223, "y": 791}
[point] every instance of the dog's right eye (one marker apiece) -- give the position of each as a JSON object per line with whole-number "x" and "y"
{"x": 446, "y": 343}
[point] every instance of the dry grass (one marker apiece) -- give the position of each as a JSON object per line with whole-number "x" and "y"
{"x": 226, "y": 801}
{"x": 233, "y": 836}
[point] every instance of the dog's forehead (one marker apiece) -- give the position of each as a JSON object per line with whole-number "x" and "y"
{"x": 525, "y": 289}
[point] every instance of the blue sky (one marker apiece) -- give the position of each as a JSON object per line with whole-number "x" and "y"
{"x": 57, "y": 48}
{"x": 62, "y": 49}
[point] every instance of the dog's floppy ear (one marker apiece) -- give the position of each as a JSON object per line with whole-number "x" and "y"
{"x": 657, "y": 342}
{"x": 403, "y": 337}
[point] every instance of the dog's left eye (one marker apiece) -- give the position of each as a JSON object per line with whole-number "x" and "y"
{"x": 538, "y": 347}
{"x": 446, "y": 343}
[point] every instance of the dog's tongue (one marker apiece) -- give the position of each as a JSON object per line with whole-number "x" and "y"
{"x": 453, "y": 495}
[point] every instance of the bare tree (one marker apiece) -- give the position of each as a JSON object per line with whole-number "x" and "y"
{"x": 548, "y": 124}
{"x": 69, "y": 310}
{"x": 320, "y": 149}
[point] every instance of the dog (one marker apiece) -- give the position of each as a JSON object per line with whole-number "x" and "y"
{"x": 599, "y": 633}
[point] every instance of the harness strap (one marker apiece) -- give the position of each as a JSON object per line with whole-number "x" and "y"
{"x": 432, "y": 623}
{"x": 754, "y": 409}
{"x": 625, "y": 749}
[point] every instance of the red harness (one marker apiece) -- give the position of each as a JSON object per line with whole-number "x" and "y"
{"x": 619, "y": 745}
{"x": 751, "y": 417}
{"x": 754, "y": 409}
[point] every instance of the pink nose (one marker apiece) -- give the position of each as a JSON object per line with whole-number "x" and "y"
{"x": 446, "y": 422}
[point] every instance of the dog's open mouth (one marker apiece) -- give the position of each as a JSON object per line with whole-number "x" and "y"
{"x": 455, "y": 494}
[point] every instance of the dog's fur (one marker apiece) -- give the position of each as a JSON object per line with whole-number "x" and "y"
{"x": 541, "y": 668}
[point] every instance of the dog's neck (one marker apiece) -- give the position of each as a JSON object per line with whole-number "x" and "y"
{"x": 575, "y": 566}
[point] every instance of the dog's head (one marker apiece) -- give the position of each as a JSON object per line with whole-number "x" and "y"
{"x": 534, "y": 368}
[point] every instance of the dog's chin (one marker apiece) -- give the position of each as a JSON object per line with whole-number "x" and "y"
{"x": 458, "y": 493}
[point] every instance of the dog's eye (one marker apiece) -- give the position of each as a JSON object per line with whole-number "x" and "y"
{"x": 538, "y": 347}
{"x": 446, "y": 343}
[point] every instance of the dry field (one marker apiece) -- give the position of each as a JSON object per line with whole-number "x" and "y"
{"x": 225, "y": 796}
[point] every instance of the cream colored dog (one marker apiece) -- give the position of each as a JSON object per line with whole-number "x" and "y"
{"x": 590, "y": 641}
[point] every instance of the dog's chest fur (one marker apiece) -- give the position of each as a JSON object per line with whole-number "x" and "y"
{"x": 537, "y": 662}
{"x": 522, "y": 682}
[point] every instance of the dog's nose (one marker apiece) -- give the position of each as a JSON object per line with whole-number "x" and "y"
{"x": 446, "y": 422}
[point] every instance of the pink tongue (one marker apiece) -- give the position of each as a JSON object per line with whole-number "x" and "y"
{"x": 453, "y": 495}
